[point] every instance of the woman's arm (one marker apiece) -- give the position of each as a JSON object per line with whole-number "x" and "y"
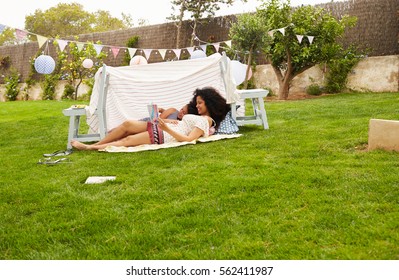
{"x": 166, "y": 113}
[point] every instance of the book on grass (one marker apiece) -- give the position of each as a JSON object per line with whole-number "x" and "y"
{"x": 153, "y": 112}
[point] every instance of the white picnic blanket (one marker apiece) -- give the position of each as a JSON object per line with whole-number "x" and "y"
{"x": 149, "y": 147}
{"x": 167, "y": 84}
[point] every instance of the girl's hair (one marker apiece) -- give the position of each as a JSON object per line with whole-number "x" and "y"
{"x": 215, "y": 103}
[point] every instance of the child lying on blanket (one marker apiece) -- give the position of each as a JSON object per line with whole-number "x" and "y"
{"x": 211, "y": 108}
{"x": 174, "y": 114}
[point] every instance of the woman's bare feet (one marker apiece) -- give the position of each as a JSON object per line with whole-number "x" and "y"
{"x": 80, "y": 146}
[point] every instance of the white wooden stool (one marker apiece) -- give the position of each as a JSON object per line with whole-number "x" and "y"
{"x": 74, "y": 125}
{"x": 259, "y": 116}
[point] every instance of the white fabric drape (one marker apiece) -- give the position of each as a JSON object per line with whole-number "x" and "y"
{"x": 167, "y": 84}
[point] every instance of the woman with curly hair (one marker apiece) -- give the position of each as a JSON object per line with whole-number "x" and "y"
{"x": 211, "y": 107}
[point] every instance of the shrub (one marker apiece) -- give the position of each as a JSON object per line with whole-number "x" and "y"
{"x": 69, "y": 91}
{"x": 12, "y": 89}
{"x": 131, "y": 43}
{"x": 313, "y": 89}
{"x": 49, "y": 84}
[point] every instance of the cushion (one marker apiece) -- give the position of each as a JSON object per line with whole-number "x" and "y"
{"x": 228, "y": 125}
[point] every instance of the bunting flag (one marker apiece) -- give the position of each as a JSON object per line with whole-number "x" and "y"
{"x": 177, "y": 53}
{"x": 271, "y": 33}
{"x": 282, "y": 31}
{"x": 190, "y": 50}
{"x": 41, "y": 40}
{"x": 98, "y": 48}
{"x": 162, "y": 52}
{"x": 203, "y": 47}
{"x": 115, "y": 51}
{"x": 228, "y": 43}
{"x": 147, "y": 53}
{"x": 299, "y": 37}
{"x": 217, "y": 46}
{"x": 62, "y": 44}
{"x": 2, "y": 27}
{"x": 21, "y": 34}
{"x": 80, "y": 46}
{"x": 132, "y": 52}
{"x": 310, "y": 38}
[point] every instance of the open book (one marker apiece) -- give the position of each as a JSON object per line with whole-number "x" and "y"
{"x": 153, "y": 112}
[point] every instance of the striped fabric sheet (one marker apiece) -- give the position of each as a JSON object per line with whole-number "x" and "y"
{"x": 167, "y": 84}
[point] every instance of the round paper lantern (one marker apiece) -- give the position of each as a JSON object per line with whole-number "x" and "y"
{"x": 138, "y": 60}
{"x": 239, "y": 71}
{"x": 87, "y": 63}
{"x": 198, "y": 54}
{"x": 44, "y": 64}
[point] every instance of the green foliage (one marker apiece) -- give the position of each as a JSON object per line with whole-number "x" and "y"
{"x": 68, "y": 91}
{"x": 339, "y": 69}
{"x": 313, "y": 89}
{"x": 131, "y": 43}
{"x": 12, "y": 85}
{"x": 49, "y": 86}
{"x": 71, "y": 67}
{"x": 7, "y": 37}
{"x": 70, "y": 19}
{"x": 288, "y": 56}
{"x": 306, "y": 189}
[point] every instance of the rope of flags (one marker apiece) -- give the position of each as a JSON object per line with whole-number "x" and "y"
{"x": 22, "y": 35}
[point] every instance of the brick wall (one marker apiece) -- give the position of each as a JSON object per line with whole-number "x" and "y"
{"x": 377, "y": 29}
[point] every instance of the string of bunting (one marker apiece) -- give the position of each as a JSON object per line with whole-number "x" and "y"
{"x": 22, "y": 35}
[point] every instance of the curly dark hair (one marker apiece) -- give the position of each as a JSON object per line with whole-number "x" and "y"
{"x": 215, "y": 103}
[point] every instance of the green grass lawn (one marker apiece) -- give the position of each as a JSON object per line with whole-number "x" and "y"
{"x": 307, "y": 188}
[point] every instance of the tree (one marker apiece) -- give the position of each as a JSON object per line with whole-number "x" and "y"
{"x": 71, "y": 64}
{"x": 247, "y": 34}
{"x": 7, "y": 37}
{"x": 70, "y": 19}
{"x": 197, "y": 9}
{"x": 288, "y": 56}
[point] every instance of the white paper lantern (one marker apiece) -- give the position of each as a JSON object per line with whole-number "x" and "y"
{"x": 138, "y": 60}
{"x": 44, "y": 64}
{"x": 87, "y": 63}
{"x": 239, "y": 71}
{"x": 198, "y": 54}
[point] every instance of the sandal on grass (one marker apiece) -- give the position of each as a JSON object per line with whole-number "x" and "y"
{"x": 59, "y": 153}
{"x": 49, "y": 161}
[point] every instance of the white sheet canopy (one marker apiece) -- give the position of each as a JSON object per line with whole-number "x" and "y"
{"x": 167, "y": 84}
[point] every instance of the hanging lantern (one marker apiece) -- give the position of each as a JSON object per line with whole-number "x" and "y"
{"x": 198, "y": 54}
{"x": 87, "y": 63}
{"x": 138, "y": 60}
{"x": 44, "y": 64}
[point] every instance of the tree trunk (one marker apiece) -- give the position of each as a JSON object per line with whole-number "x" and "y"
{"x": 180, "y": 24}
{"x": 285, "y": 79}
{"x": 248, "y": 68}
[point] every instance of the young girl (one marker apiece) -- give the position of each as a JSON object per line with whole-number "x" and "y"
{"x": 211, "y": 107}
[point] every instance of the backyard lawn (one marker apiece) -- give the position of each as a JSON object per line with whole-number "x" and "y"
{"x": 305, "y": 189}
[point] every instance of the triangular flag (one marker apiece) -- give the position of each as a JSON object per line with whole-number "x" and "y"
{"x": 41, "y": 40}
{"x": 80, "y": 46}
{"x": 61, "y": 44}
{"x": 162, "y": 52}
{"x": 190, "y": 50}
{"x": 98, "y": 48}
{"x": 132, "y": 51}
{"x": 2, "y": 27}
{"x": 299, "y": 37}
{"x": 282, "y": 31}
{"x": 177, "y": 53}
{"x": 203, "y": 47}
{"x": 271, "y": 33}
{"x": 310, "y": 38}
{"x": 115, "y": 51}
{"x": 216, "y": 45}
{"x": 21, "y": 34}
{"x": 147, "y": 53}
{"x": 228, "y": 43}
